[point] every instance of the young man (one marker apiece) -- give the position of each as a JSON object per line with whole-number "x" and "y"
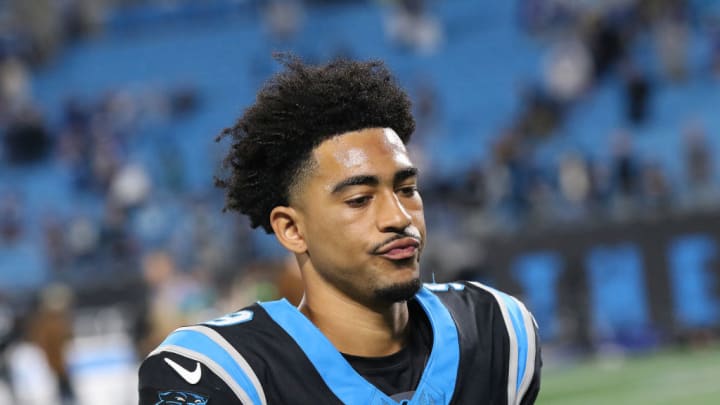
{"x": 320, "y": 161}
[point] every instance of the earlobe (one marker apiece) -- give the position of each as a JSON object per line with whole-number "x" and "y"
{"x": 284, "y": 221}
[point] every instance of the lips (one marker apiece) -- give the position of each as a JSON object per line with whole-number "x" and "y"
{"x": 400, "y": 249}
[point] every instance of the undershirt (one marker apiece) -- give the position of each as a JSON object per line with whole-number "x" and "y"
{"x": 398, "y": 374}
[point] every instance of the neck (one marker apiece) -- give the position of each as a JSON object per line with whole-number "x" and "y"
{"x": 354, "y": 328}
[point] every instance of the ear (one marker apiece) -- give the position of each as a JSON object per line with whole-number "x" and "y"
{"x": 285, "y": 224}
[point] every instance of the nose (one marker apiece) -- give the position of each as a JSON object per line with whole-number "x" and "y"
{"x": 392, "y": 215}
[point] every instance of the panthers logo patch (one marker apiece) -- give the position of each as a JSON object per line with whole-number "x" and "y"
{"x": 180, "y": 398}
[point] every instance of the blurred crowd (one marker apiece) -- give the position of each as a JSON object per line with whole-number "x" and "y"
{"x": 590, "y": 46}
{"x": 512, "y": 192}
{"x": 139, "y": 235}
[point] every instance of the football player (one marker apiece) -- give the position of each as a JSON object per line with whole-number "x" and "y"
{"x": 320, "y": 161}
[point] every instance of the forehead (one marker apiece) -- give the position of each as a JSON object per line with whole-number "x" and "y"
{"x": 368, "y": 151}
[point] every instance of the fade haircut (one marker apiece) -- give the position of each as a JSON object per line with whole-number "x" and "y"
{"x": 295, "y": 111}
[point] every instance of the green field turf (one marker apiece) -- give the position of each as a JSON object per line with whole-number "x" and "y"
{"x": 678, "y": 377}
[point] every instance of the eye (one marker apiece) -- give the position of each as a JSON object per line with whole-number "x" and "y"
{"x": 408, "y": 191}
{"x": 358, "y": 201}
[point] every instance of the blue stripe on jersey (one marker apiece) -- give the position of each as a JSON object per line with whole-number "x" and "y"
{"x": 200, "y": 343}
{"x": 442, "y": 366}
{"x": 337, "y": 373}
{"x": 437, "y": 383}
{"x": 518, "y": 323}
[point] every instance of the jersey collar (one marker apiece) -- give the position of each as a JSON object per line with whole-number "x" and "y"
{"x": 436, "y": 385}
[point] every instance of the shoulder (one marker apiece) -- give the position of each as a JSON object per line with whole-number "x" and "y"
{"x": 172, "y": 378}
{"x": 487, "y": 305}
{"x": 480, "y": 296}
{"x": 491, "y": 311}
{"x": 205, "y": 360}
{"x": 219, "y": 339}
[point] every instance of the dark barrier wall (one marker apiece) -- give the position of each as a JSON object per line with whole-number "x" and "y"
{"x": 632, "y": 283}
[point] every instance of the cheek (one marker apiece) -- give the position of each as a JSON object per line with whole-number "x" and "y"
{"x": 332, "y": 234}
{"x": 419, "y": 220}
{"x": 417, "y": 212}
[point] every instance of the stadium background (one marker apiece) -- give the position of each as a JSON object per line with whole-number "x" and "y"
{"x": 567, "y": 151}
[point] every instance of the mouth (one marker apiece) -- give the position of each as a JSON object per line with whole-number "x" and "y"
{"x": 401, "y": 249}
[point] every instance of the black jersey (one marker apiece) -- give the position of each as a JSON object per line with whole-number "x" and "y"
{"x": 484, "y": 351}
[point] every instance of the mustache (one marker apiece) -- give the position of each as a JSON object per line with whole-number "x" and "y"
{"x": 407, "y": 233}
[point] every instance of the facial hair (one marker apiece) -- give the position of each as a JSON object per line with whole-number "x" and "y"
{"x": 398, "y": 292}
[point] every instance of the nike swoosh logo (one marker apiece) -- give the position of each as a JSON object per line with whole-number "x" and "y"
{"x": 192, "y": 377}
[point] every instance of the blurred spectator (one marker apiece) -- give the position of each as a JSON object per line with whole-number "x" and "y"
{"x": 427, "y": 109}
{"x": 607, "y": 43}
{"x": 163, "y": 313}
{"x": 56, "y": 247}
{"x": 540, "y": 115}
{"x": 39, "y": 21}
{"x": 255, "y": 282}
{"x": 29, "y": 368}
{"x": 698, "y": 157}
{"x": 38, "y": 362}
{"x": 7, "y": 332}
{"x": 105, "y": 163}
{"x": 575, "y": 185}
{"x": 284, "y": 18}
{"x": 498, "y": 175}
{"x": 82, "y": 17}
{"x": 411, "y": 26}
{"x": 11, "y": 218}
{"x": 82, "y": 238}
{"x": 713, "y": 32}
{"x": 130, "y": 186}
{"x": 89, "y": 143}
{"x": 626, "y": 177}
{"x": 26, "y": 139}
{"x": 51, "y": 329}
{"x": 702, "y": 189}
{"x": 184, "y": 101}
{"x": 637, "y": 95}
{"x": 543, "y": 201}
{"x": 668, "y": 21}
{"x": 173, "y": 176}
{"x": 657, "y": 193}
{"x": 14, "y": 85}
{"x": 625, "y": 164}
{"x": 568, "y": 70}
{"x": 601, "y": 185}
{"x": 117, "y": 112}
{"x": 116, "y": 244}
{"x": 73, "y": 144}
{"x": 512, "y": 152}
{"x": 176, "y": 299}
{"x": 204, "y": 237}
{"x": 474, "y": 188}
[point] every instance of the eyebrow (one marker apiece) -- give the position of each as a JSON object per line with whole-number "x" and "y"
{"x": 405, "y": 174}
{"x": 362, "y": 180}
{"x": 373, "y": 181}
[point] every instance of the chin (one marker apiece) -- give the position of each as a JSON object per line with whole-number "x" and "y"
{"x": 399, "y": 291}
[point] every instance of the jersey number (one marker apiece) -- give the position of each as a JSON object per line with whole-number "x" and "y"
{"x": 232, "y": 319}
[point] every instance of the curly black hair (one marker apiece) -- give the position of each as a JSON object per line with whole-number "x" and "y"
{"x": 295, "y": 111}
